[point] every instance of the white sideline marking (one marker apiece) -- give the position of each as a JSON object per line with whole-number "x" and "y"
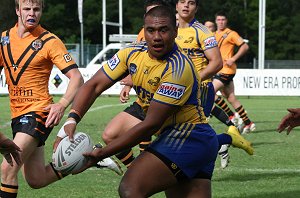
{"x": 90, "y": 110}
{"x": 261, "y": 170}
{"x": 106, "y": 106}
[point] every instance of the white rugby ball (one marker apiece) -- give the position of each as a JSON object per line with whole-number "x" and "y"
{"x": 68, "y": 156}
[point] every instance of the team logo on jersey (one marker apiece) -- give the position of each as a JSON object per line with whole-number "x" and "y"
{"x": 154, "y": 82}
{"x": 37, "y": 44}
{"x": 132, "y": 68}
{"x": 67, "y": 57}
{"x": 189, "y": 40}
{"x": 225, "y": 36}
{"x": 5, "y": 40}
{"x": 113, "y": 62}
{"x": 171, "y": 90}
{"x": 210, "y": 42}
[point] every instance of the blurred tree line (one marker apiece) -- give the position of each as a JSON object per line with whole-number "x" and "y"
{"x": 282, "y": 21}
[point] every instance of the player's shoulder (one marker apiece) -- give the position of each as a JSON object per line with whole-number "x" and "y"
{"x": 200, "y": 27}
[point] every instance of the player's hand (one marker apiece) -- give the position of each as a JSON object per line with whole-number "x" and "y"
{"x": 10, "y": 151}
{"x": 92, "y": 159}
{"x": 229, "y": 61}
{"x": 127, "y": 81}
{"x": 56, "y": 112}
{"x": 68, "y": 129}
{"x": 124, "y": 94}
{"x": 290, "y": 121}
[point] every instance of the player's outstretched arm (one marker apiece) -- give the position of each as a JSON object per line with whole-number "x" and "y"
{"x": 290, "y": 121}
{"x": 83, "y": 100}
{"x": 155, "y": 118}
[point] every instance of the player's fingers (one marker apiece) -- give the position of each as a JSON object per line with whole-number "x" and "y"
{"x": 8, "y": 159}
{"x": 17, "y": 157}
{"x": 56, "y": 142}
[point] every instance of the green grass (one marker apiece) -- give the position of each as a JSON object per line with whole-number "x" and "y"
{"x": 273, "y": 171}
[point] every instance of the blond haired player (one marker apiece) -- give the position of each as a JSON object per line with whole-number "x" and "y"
{"x": 28, "y": 53}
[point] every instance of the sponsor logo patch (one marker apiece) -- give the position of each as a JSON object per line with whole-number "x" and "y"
{"x": 37, "y": 44}
{"x": 171, "y": 90}
{"x": 132, "y": 68}
{"x": 113, "y": 62}
{"x": 5, "y": 40}
{"x": 67, "y": 57}
{"x": 210, "y": 42}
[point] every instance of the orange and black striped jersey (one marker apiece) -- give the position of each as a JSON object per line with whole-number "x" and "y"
{"x": 227, "y": 40}
{"x": 141, "y": 36}
{"x": 28, "y": 63}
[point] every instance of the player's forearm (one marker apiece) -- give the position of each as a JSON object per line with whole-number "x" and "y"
{"x": 74, "y": 84}
{"x": 241, "y": 52}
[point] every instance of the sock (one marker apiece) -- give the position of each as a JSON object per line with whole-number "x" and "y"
{"x": 224, "y": 139}
{"x": 8, "y": 191}
{"x": 221, "y": 103}
{"x": 221, "y": 115}
{"x": 241, "y": 111}
{"x": 126, "y": 157}
{"x": 144, "y": 144}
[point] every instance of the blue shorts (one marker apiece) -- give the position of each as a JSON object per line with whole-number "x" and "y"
{"x": 207, "y": 97}
{"x": 188, "y": 150}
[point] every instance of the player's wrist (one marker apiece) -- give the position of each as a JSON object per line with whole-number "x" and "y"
{"x": 64, "y": 102}
{"x": 61, "y": 133}
{"x": 74, "y": 114}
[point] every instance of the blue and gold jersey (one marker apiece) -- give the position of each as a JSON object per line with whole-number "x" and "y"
{"x": 172, "y": 80}
{"x": 194, "y": 40}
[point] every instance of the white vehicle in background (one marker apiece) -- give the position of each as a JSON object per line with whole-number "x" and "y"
{"x": 107, "y": 52}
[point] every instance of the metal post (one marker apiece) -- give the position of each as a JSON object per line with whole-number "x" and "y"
{"x": 80, "y": 2}
{"x": 120, "y": 17}
{"x": 104, "y": 23}
{"x": 262, "y": 27}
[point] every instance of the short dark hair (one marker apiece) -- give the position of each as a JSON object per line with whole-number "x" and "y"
{"x": 154, "y": 2}
{"x": 196, "y": 1}
{"x": 41, "y": 2}
{"x": 162, "y": 11}
{"x": 221, "y": 13}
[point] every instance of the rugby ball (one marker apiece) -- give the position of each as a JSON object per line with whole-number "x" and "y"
{"x": 68, "y": 155}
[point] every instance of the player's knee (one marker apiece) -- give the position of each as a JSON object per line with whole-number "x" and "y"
{"x": 107, "y": 136}
{"x": 127, "y": 190}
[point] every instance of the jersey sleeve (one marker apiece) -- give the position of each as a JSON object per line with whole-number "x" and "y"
{"x": 236, "y": 39}
{"x": 207, "y": 39}
{"x": 60, "y": 56}
{"x": 116, "y": 67}
{"x": 176, "y": 86}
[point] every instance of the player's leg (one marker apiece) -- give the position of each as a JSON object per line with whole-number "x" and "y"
{"x": 200, "y": 188}
{"x": 167, "y": 162}
{"x": 121, "y": 123}
{"x": 229, "y": 93}
{"x": 220, "y": 81}
{"x": 29, "y": 133}
{"x": 36, "y": 173}
{"x": 146, "y": 176}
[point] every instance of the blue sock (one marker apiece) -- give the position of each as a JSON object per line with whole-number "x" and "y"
{"x": 224, "y": 139}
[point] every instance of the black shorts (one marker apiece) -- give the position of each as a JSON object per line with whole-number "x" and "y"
{"x": 224, "y": 78}
{"x": 136, "y": 111}
{"x": 32, "y": 123}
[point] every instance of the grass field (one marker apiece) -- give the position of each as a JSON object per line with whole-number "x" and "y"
{"x": 273, "y": 171}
